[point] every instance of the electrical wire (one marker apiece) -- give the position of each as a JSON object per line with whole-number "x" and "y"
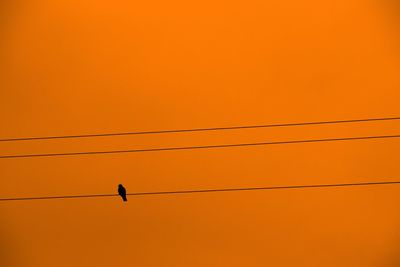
{"x": 217, "y": 190}
{"x": 199, "y": 129}
{"x": 199, "y": 147}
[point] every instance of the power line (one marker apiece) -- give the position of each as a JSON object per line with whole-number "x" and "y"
{"x": 217, "y": 190}
{"x": 198, "y": 147}
{"x": 199, "y": 129}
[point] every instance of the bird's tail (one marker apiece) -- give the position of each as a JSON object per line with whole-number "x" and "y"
{"x": 124, "y": 198}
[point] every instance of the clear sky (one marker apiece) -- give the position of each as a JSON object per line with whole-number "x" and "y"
{"x": 76, "y": 67}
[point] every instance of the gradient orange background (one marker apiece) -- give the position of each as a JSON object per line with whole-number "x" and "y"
{"x": 76, "y": 67}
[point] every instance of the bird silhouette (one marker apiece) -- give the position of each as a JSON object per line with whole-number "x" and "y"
{"x": 122, "y": 192}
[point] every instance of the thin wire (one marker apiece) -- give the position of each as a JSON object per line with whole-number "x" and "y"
{"x": 199, "y": 129}
{"x": 217, "y": 190}
{"x": 198, "y": 147}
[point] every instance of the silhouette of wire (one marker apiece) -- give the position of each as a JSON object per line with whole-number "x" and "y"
{"x": 198, "y": 147}
{"x": 199, "y": 129}
{"x": 217, "y": 190}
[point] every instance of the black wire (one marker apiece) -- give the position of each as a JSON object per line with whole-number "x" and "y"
{"x": 199, "y": 129}
{"x": 198, "y": 147}
{"x": 205, "y": 191}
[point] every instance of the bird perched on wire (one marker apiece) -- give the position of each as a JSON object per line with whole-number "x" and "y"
{"x": 122, "y": 192}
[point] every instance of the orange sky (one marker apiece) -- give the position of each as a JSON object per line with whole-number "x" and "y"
{"x": 76, "y": 67}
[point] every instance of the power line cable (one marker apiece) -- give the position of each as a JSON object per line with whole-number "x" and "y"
{"x": 198, "y": 147}
{"x": 217, "y": 190}
{"x": 199, "y": 129}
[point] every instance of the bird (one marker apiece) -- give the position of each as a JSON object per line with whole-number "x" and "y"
{"x": 122, "y": 192}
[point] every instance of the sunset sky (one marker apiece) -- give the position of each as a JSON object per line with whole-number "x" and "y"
{"x": 84, "y": 67}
